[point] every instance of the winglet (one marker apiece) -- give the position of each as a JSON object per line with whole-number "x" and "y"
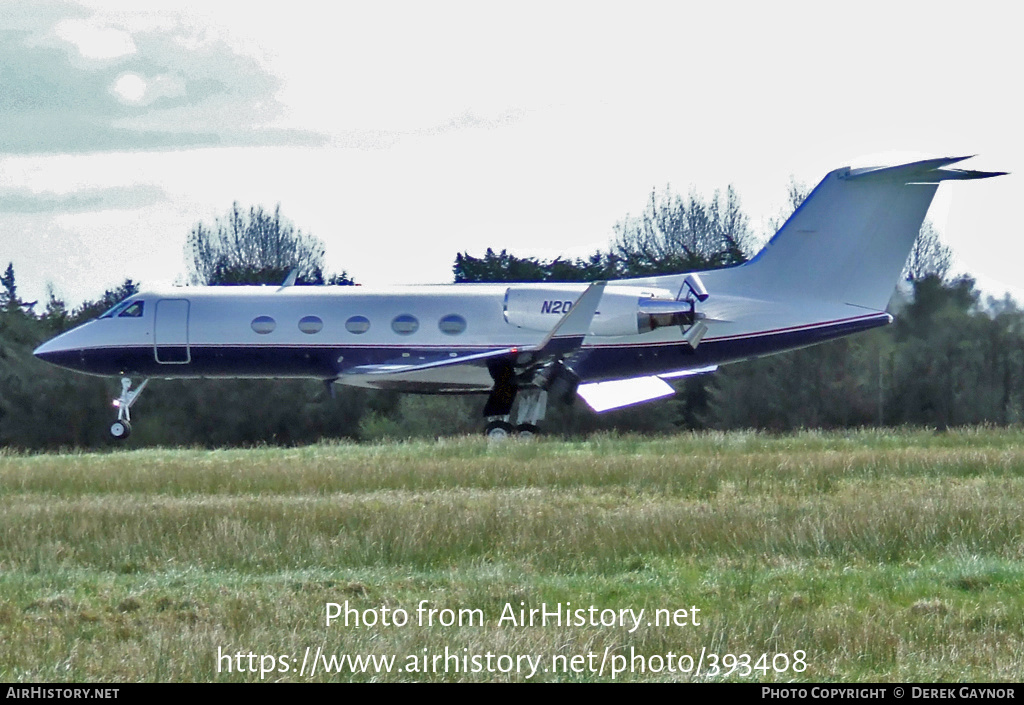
{"x": 569, "y": 332}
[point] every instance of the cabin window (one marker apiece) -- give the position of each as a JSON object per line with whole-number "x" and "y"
{"x": 134, "y": 310}
{"x": 311, "y": 324}
{"x": 357, "y": 324}
{"x": 452, "y": 324}
{"x": 405, "y": 324}
{"x": 264, "y": 324}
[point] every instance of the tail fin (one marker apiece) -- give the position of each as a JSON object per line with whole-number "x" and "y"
{"x": 850, "y": 238}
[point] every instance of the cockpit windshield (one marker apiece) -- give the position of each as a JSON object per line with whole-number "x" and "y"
{"x": 130, "y": 308}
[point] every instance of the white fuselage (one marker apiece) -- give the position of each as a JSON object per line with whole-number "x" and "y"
{"x": 379, "y": 338}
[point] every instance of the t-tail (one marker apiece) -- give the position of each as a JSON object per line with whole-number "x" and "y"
{"x": 849, "y": 240}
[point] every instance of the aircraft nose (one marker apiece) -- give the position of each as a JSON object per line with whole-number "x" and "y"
{"x": 51, "y": 350}
{"x": 47, "y": 349}
{"x": 59, "y": 351}
{"x": 84, "y": 349}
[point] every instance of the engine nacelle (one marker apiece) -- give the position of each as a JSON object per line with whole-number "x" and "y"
{"x": 661, "y": 313}
{"x": 622, "y": 310}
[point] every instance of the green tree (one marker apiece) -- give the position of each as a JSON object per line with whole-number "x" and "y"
{"x": 675, "y": 234}
{"x": 9, "y": 292}
{"x": 928, "y": 257}
{"x": 504, "y": 267}
{"x": 941, "y": 370}
{"x": 254, "y": 247}
{"x": 9, "y": 295}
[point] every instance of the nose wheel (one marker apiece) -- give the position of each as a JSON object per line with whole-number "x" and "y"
{"x": 122, "y": 428}
{"x": 119, "y": 430}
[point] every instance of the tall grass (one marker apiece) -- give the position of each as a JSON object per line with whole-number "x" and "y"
{"x": 885, "y": 555}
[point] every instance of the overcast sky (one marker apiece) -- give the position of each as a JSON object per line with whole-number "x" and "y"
{"x": 403, "y": 133}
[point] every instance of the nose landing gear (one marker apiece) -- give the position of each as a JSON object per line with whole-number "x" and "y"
{"x": 122, "y": 427}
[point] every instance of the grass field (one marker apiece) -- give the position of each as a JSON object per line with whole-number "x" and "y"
{"x": 880, "y": 555}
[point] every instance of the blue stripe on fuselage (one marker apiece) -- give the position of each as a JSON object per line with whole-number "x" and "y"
{"x": 616, "y": 362}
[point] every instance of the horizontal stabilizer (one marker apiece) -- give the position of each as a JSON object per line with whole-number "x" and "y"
{"x": 928, "y": 171}
{"x": 605, "y": 396}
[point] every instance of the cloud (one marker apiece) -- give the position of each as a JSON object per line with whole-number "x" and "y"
{"x": 72, "y": 82}
{"x": 25, "y": 201}
{"x": 93, "y": 41}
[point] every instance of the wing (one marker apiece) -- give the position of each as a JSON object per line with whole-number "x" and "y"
{"x": 429, "y": 361}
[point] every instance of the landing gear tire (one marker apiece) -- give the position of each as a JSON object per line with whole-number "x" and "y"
{"x": 120, "y": 430}
{"x": 527, "y": 431}
{"x": 499, "y": 431}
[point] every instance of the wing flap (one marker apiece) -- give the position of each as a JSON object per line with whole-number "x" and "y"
{"x": 617, "y": 393}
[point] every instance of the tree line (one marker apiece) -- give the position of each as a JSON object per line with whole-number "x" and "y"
{"x": 951, "y": 358}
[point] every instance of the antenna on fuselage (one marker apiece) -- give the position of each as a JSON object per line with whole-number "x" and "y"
{"x": 290, "y": 279}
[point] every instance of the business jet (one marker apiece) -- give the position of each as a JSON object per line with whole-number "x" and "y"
{"x": 828, "y": 272}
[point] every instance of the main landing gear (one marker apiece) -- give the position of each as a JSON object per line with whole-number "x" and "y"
{"x": 122, "y": 428}
{"x": 519, "y": 401}
{"x": 529, "y": 408}
{"x": 510, "y": 410}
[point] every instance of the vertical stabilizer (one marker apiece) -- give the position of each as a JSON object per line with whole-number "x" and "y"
{"x": 850, "y": 238}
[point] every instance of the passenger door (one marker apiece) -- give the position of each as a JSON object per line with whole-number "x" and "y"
{"x": 170, "y": 332}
